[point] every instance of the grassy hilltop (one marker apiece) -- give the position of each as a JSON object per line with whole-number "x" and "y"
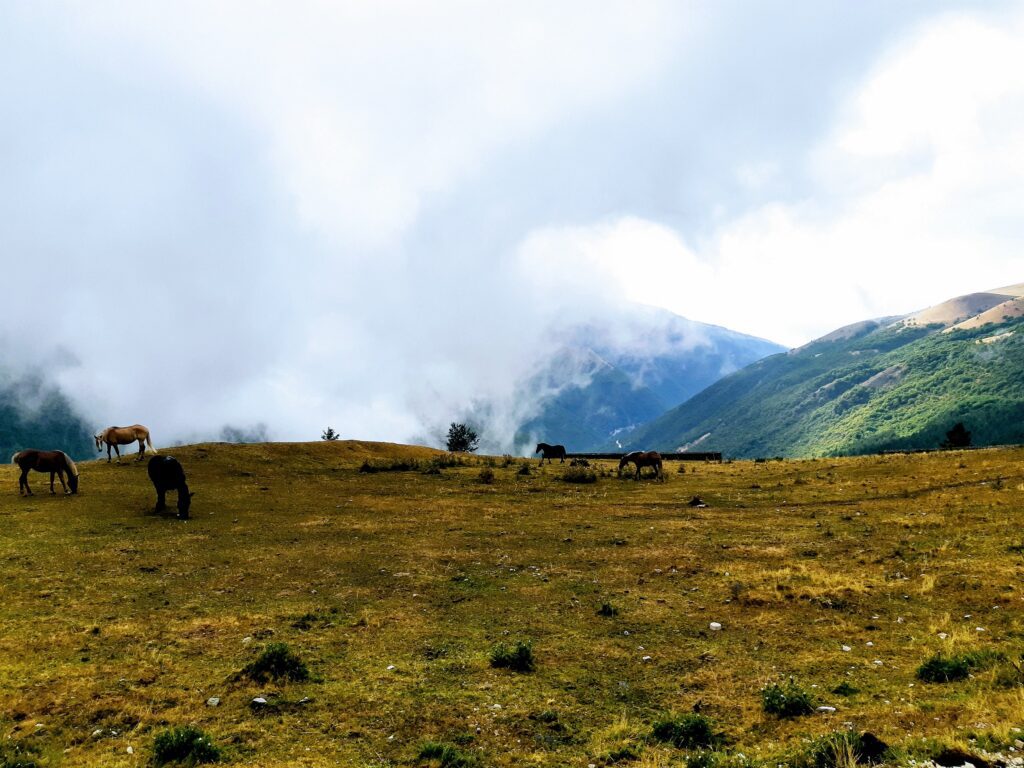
{"x": 395, "y": 587}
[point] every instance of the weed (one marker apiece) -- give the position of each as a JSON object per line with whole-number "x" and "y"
{"x": 948, "y": 669}
{"x": 446, "y": 756}
{"x": 518, "y": 659}
{"x": 524, "y": 469}
{"x": 608, "y": 610}
{"x": 703, "y": 759}
{"x": 185, "y": 745}
{"x": 18, "y": 754}
{"x": 835, "y": 750}
{"x": 690, "y": 731}
{"x": 276, "y": 662}
{"x": 486, "y": 476}
{"x": 789, "y": 700}
{"x": 845, "y": 689}
{"x": 579, "y": 475}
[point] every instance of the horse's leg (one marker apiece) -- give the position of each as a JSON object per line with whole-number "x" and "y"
{"x": 160, "y": 504}
{"x": 142, "y": 449}
{"x": 60, "y": 476}
{"x": 117, "y": 451}
{"x": 23, "y": 483}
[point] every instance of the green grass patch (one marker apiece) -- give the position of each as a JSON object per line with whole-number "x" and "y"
{"x": 689, "y": 731}
{"x": 186, "y": 745}
{"x": 276, "y": 662}
{"x": 789, "y": 700}
{"x": 948, "y": 669}
{"x": 518, "y": 658}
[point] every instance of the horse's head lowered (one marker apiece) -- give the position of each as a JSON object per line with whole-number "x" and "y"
{"x": 98, "y": 437}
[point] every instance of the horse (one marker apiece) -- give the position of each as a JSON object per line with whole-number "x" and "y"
{"x": 115, "y": 436}
{"x": 54, "y": 462}
{"x": 167, "y": 475}
{"x": 551, "y": 452}
{"x": 642, "y": 459}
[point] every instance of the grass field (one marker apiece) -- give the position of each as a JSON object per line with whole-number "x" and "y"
{"x": 395, "y": 587}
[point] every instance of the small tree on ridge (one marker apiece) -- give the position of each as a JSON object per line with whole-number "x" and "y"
{"x": 462, "y": 438}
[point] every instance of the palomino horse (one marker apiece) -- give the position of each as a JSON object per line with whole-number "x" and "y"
{"x": 54, "y": 462}
{"x": 550, "y": 452}
{"x": 642, "y": 459}
{"x": 115, "y": 436}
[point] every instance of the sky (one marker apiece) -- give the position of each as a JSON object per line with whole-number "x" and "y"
{"x": 283, "y": 216}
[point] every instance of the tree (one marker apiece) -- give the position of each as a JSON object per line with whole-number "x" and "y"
{"x": 462, "y": 438}
{"x": 329, "y": 434}
{"x": 957, "y": 437}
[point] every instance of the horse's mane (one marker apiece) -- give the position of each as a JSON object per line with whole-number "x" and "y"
{"x": 71, "y": 464}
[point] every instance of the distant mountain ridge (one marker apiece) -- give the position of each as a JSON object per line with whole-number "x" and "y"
{"x": 887, "y": 384}
{"x": 34, "y": 414}
{"x": 607, "y": 378}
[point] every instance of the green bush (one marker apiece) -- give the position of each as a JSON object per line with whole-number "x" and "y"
{"x": 579, "y": 475}
{"x": 948, "y": 669}
{"x": 789, "y": 700}
{"x": 518, "y": 659}
{"x": 690, "y": 731}
{"x": 18, "y": 754}
{"x": 277, "y": 662}
{"x": 607, "y": 610}
{"x": 186, "y": 745}
{"x": 447, "y": 756}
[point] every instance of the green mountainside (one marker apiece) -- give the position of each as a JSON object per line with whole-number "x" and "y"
{"x": 34, "y": 414}
{"x": 890, "y": 384}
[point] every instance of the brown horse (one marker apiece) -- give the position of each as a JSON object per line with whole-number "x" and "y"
{"x": 115, "y": 436}
{"x": 642, "y": 459}
{"x": 54, "y": 462}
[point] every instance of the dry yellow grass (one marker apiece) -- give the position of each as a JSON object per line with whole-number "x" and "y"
{"x": 115, "y": 623}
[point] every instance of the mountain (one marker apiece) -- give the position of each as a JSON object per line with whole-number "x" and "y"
{"x": 887, "y": 384}
{"x": 34, "y": 414}
{"x": 605, "y": 378}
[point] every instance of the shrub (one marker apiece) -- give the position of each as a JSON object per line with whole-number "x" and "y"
{"x": 579, "y": 475}
{"x": 691, "y": 731}
{"x": 395, "y": 465}
{"x": 277, "y": 662}
{"x": 579, "y": 463}
{"x": 524, "y": 469}
{"x": 447, "y": 756}
{"x": 943, "y": 669}
{"x": 518, "y": 659}
{"x": 18, "y": 754}
{"x": 786, "y": 701}
{"x": 486, "y": 475}
{"x": 186, "y": 745}
{"x": 329, "y": 434}
{"x": 607, "y": 609}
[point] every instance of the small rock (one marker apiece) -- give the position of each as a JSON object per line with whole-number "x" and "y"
{"x": 213, "y": 701}
{"x": 869, "y": 644}
{"x": 979, "y": 629}
{"x": 943, "y": 635}
{"x": 246, "y": 640}
{"x": 715, "y": 626}
{"x": 305, "y": 700}
{"x": 392, "y": 667}
{"x": 259, "y": 701}
{"x": 877, "y": 663}
{"x": 697, "y": 501}
{"x": 130, "y": 750}
{"x": 646, "y": 658}
{"x": 97, "y": 733}
{"x": 826, "y": 710}
{"x": 847, "y": 648}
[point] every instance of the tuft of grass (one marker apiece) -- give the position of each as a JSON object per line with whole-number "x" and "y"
{"x": 690, "y": 731}
{"x": 486, "y": 476}
{"x": 579, "y": 475}
{"x": 948, "y": 669}
{"x": 276, "y": 662}
{"x": 786, "y": 701}
{"x": 608, "y": 610}
{"x": 447, "y": 756}
{"x": 841, "y": 749}
{"x": 18, "y": 754}
{"x": 186, "y": 745}
{"x": 518, "y": 658}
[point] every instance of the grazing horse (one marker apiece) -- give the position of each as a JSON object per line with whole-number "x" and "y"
{"x": 550, "y": 452}
{"x": 54, "y": 462}
{"x": 167, "y": 475}
{"x": 642, "y": 459}
{"x": 115, "y": 436}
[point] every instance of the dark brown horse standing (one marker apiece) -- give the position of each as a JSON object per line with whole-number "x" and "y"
{"x": 642, "y": 459}
{"x": 550, "y": 452}
{"x": 54, "y": 462}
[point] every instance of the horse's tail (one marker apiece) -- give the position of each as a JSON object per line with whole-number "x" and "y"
{"x": 71, "y": 464}
{"x": 150, "y": 444}
{"x": 16, "y": 456}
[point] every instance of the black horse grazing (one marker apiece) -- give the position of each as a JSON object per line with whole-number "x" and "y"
{"x": 167, "y": 475}
{"x": 642, "y": 459}
{"x": 54, "y": 462}
{"x": 551, "y": 452}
